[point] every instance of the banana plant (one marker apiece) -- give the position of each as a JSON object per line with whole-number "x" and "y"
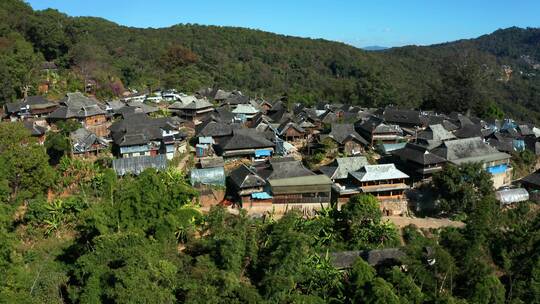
{"x": 56, "y": 213}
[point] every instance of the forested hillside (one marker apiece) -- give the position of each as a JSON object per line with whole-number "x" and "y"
{"x": 492, "y": 72}
{"x": 75, "y": 233}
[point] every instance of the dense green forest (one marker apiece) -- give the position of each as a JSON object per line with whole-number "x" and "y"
{"x": 76, "y": 233}
{"x": 484, "y": 75}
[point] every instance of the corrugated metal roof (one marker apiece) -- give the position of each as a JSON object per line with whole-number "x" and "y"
{"x": 301, "y": 181}
{"x": 510, "y": 196}
{"x": 208, "y": 176}
{"x": 136, "y": 165}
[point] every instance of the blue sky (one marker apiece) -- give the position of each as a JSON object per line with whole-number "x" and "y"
{"x": 356, "y": 22}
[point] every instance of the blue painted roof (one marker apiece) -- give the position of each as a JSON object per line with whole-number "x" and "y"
{"x": 263, "y": 153}
{"x": 261, "y": 195}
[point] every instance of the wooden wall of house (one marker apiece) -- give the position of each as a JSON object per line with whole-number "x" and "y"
{"x": 210, "y": 196}
{"x": 351, "y": 146}
{"x": 101, "y": 130}
{"x": 95, "y": 120}
{"x": 292, "y": 132}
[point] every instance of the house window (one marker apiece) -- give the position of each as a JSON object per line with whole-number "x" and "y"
{"x": 141, "y": 154}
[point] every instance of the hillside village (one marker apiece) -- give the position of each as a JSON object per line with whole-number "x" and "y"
{"x": 276, "y": 155}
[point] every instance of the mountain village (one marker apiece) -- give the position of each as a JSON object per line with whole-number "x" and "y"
{"x": 274, "y": 155}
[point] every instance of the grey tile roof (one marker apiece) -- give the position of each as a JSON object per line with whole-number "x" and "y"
{"x": 35, "y": 129}
{"x": 378, "y": 172}
{"x": 436, "y": 132}
{"x": 288, "y": 168}
{"x": 116, "y": 105}
{"x": 341, "y": 166}
{"x": 525, "y": 130}
{"x": 32, "y": 102}
{"x": 342, "y": 132}
{"x": 245, "y": 109}
{"x": 193, "y": 105}
{"x": 76, "y": 105}
{"x": 83, "y": 140}
{"x": 142, "y": 106}
{"x": 448, "y": 125}
{"x": 468, "y": 150}
{"x": 139, "y": 129}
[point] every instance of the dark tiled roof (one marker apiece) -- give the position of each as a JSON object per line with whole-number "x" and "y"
{"x": 418, "y": 154}
{"x": 224, "y": 114}
{"x": 244, "y": 177}
{"x": 376, "y": 125}
{"x": 502, "y": 143}
{"x": 532, "y": 179}
{"x": 246, "y": 139}
{"x": 287, "y": 169}
{"x": 448, "y": 125}
{"x": 468, "y": 150}
{"x": 214, "y": 129}
{"x": 328, "y": 117}
{"x": 76, "y": 105}
{"x": 236, "y": 98}
{"x": 33, "y": 102}
{"x": 342, "y": 132}
{"x": 469, "y": 130}
{"x": 289, "y": 124}
{"x": 139, "y": 129}
{"x": 399, "y": 116}
{"x": 278, "y": 113}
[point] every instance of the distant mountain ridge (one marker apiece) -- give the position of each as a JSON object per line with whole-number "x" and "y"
{"x": 374, "y": 48}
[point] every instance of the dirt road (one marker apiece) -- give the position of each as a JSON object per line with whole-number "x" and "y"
{"x": 425, "y": 223}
